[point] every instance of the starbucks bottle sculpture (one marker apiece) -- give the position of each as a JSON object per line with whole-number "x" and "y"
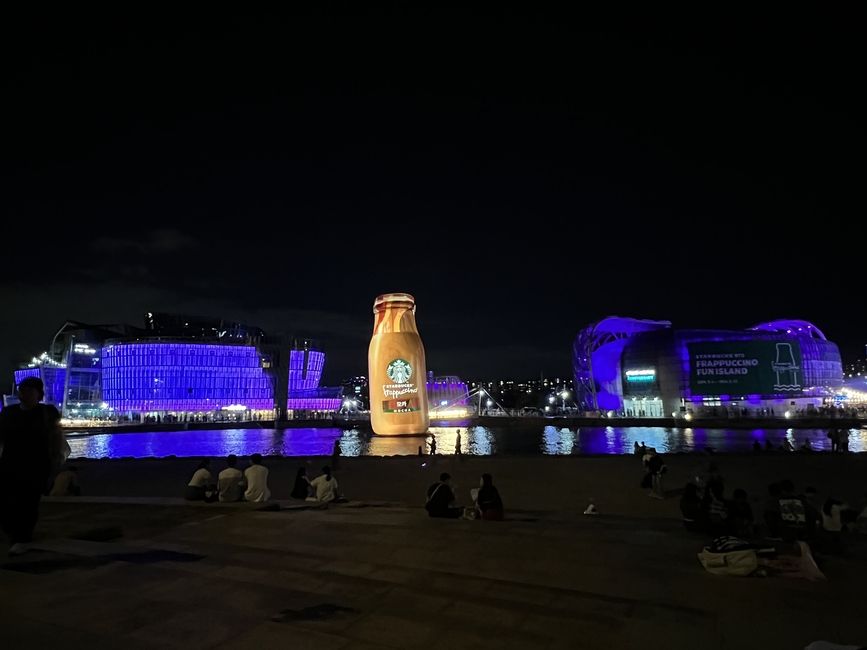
{"x": 398, "y": 395}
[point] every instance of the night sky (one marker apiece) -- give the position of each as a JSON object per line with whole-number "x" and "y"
{"x": 521, "y": 175}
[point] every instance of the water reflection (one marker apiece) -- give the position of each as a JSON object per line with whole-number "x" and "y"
{"x": 475, "y": 440}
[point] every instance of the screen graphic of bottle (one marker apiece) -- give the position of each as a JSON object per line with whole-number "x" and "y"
{"x": 396, "y": 366}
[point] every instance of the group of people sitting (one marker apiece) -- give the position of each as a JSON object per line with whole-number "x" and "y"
{"x": 705, "y": 509}
{"x": 788, "y": 515}
{"x": 252, "y": 484}
{"x": 487, "y": 503}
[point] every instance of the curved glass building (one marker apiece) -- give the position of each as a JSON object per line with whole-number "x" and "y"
{"x": 648, "y": 368}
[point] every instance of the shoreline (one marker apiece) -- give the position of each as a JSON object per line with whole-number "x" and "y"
{"x": 573, "y": 422}
{"x": 532, "y": 483}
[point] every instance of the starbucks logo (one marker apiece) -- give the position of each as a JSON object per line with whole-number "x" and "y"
{"x": 399, "y": 371}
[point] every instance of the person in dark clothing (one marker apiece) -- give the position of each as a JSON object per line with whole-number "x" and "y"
{"x": 33, "y": 449}
{"x": 691, "y": 510}
{"x": 440, "y": 498}
{"x": 301, "y": 489}
{"x": 773, "y": 519}
{"x": 798, "y": 517}
{"x": 740, "y": 515}
{"x": 657, "y": 469}
{"x": 488, "y": 501}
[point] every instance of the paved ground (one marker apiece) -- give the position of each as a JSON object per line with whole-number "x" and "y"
{"x": 389, "y": 577}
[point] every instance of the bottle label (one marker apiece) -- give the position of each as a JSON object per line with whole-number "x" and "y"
{"x": 400, "y": 405}
{"x": 401, "y": 390}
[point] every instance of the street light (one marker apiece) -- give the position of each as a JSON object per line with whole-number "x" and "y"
{"x": 564, "y": 395}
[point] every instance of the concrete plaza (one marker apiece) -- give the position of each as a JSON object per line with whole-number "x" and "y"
{"x": 387, "y": 576}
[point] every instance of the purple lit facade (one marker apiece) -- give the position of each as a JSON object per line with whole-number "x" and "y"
{"x": 305, "y": 374}
{"x": 53, "y": 378}
{"x": 448, "y": 392}
{"x": 184, "y": 377}
{"x": 646, "y": 368}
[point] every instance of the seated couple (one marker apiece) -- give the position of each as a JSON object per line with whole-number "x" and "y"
{"x": 487, "y": 502}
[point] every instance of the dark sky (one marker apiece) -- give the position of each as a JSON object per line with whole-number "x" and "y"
{"x": 521, "y": 175}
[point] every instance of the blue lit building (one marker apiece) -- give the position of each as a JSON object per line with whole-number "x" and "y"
{"x": 305, "y": 395}
{"x": 648, "y": 368}
{"x": 180, "y": 368}
{"x": 172, "y": 377}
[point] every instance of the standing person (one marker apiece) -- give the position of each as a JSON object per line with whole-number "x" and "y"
{"x": 656, "y": 468}
{"x": 33, "y": 447}
{"x": 458, "y": 444}
{"x": 324, "y": 486}
{"x": 433, "y": 445}
{"x": 230, "y": 482}
{"x": 440, "y": 497}
{"x": 257, "y": 480}
{"x": 636, "y": 450}
{"x": 335, "y": 454}
{"x": 301, "y": 489}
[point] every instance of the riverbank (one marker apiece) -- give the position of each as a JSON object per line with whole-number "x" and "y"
{"x": 363, "y": 424}
{"x": 544, "y": 483}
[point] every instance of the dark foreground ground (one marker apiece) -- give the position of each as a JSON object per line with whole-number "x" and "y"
{"x": 386, "y": 576}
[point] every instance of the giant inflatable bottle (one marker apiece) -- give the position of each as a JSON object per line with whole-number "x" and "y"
{"x": 396, "y": 366}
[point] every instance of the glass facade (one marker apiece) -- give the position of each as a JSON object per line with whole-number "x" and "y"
{"x": 147, "y": 377}
{"x": 53, "y": 379}
{"x": 305, "y": 374}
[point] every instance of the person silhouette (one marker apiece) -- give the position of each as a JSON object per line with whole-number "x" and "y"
{"x": 458, "y": 444}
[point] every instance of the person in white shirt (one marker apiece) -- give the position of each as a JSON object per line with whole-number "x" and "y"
{"x": 324, "y": 486}
{"x": 201, "y": 486}
{"x": 230, "y": 482}
{"x": 257, "y": 480}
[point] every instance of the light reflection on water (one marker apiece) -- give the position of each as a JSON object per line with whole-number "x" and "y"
{"x": 477, "y": 440}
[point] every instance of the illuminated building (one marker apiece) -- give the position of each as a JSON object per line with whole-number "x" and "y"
{"x": 448, "y": 397}
{"x": 306, "y": 362}
{"x": 650, "y": 369}
{"x": 182, "y": 367}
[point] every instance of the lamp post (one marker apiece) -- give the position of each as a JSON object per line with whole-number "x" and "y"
{"x": 563, "y": 396}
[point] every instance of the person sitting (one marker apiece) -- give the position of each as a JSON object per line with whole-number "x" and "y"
{"x": 691, "y": 510}
{"x": 488, "y": 502}
{"x": 861, "y": 520}
{"x": 740, "y": 515}
{"x": 771, "y": 513}
{"x": 230, "y": 481}
{"x": 324, "y": 486}
{"x": 66, "y": 484}
{"x": 301, "y": 489}
{"x": 201, "y": 486}
{"x": 256, "y": 476}
{"x": 715, "y": 510}
{"x": 440, "y": 498}
{"x": 797, "y": 517}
